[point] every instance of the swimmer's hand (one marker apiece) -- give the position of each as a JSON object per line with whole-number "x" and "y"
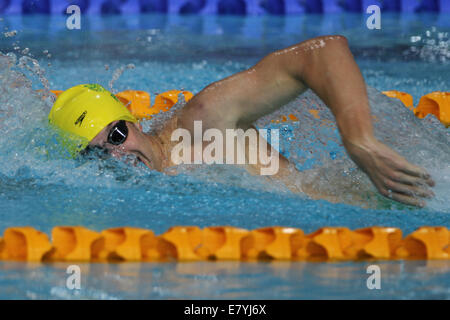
{"x": 392, "y": 175}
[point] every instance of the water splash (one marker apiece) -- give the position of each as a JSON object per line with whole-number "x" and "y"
{"x": 31, "y": 157}
{"x": 315, "y": 146}
{"x": 33, "y": 66}
{"x": 432, "y": 46}
{"x": 117, "y": 74}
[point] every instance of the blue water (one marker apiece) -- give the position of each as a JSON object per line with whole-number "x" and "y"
{"x": 227, "y": 280}
{"x": 40, "y": 188}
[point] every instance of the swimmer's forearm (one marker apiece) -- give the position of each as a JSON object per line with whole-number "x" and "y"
{"x": 329, "y": 69}
{"x": 332, "y": 73}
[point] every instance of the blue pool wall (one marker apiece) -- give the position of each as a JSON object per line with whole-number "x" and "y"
{"x": 237, "y": 7}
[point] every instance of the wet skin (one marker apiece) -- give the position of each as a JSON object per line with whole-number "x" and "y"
{"x": 325, "y": 65}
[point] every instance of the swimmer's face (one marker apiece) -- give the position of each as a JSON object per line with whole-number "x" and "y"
{"x": 110, "y": 138}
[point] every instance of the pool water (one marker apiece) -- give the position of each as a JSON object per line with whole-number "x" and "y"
{"x": 41, "y": 188}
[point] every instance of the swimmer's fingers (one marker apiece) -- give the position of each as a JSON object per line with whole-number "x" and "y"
{"x": 405, "y": 189}
{"x": 407, "y": 173}
{"x": 403, "y": 198}
{"x": 411, "y": 180}
{"x": 416, "y": 190}
{"x": 393, "y": 175}
{"x": 419, "y": 173}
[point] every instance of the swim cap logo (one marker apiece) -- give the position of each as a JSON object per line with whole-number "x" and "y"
{"x": 80, "y": 119}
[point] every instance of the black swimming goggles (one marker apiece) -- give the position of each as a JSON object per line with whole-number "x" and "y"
{"x": 118, "y": 133}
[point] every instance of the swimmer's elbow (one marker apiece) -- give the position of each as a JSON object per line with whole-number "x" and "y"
{"x": 321, "y": 53}
{"x": 308, "y": 57}
{"x": 334, "y": 44}
{"x": 340, "y": 38}
{"x": 333, "y": 39}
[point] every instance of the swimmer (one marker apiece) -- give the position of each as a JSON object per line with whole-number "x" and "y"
{"x": 323, "y": 64}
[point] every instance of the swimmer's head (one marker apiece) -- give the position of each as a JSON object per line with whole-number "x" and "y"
{"x": 83, "y": 111}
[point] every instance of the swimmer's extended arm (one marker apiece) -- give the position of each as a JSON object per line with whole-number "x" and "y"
{"x": 326, "y": 65}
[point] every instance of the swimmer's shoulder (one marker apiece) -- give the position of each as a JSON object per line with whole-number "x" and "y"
{"x": 210, "y": 109}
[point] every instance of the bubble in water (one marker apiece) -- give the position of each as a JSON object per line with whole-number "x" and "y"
{"x": 10, "y": 34}
{"x": 435, "y": 46}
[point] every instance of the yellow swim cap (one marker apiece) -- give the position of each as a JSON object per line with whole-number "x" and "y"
{"x": 81, "y": 112}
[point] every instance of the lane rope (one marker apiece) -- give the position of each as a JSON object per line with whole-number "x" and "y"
{"x": 191, "y": 243}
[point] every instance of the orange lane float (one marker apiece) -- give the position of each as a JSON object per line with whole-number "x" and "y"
{"x": 271, "y": 243}
{"x": 191, "y": 243}
{"x": 126, "y": 244}
{"x": 222, "y": 243}
{"x": 139, "y": 102}
{"x": 378, "y": 242}
{"x": 74, "y": 244}
{"x": 24, "y": 243}
{"x": 436, "y": 103}
{"x": 426, "y": 243}
{"x": 404, "y": 97}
